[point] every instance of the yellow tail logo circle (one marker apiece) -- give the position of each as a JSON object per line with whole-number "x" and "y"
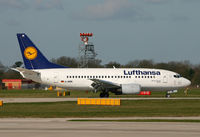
{"x": 30, "y": 53}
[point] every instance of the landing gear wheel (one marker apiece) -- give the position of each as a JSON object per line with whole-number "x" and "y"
{"x": 103, "y": 94}
{"x": 168, "y": 95}
{"x": 107, "y": 95}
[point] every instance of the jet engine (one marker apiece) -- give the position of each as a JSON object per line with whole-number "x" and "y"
{"x": 131, "y": 88}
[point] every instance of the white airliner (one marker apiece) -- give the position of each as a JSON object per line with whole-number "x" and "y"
{"x": 105, "y": 80}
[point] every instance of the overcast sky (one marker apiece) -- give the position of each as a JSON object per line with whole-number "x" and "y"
{"x": 124, "y": 30}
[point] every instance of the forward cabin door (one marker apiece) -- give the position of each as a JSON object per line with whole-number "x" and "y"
{"x": 165, "y": 79}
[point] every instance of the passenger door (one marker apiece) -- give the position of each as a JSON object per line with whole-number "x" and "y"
{"x": 165, "y": 79}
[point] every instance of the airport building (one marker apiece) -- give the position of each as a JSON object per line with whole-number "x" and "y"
{"x": 10, "y": 84}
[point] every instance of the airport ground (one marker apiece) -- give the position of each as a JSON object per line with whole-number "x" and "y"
{"x": 46, "y": 104}
{"x": 128, "y": 108}
{"x": 62, "y": 128}
{"x": 141, "y": 116}
{"x": 191, "y": 92}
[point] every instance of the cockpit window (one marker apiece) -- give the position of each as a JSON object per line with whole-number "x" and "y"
{"x": 177, "y": 76}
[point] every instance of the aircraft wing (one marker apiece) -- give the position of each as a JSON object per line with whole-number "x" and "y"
{"x": 28, "y": 74}
{"x": 99, "y": 84}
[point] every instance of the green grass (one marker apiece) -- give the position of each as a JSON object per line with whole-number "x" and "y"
{"x": 137, "y": 120}
{"x": 137, "y": 108}
{"x": 42, "y": 94}
{"x": 74, "y": 94}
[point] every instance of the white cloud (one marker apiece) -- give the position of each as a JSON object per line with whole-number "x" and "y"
{"x": 157, "y": 1}
{"x": 107, "y": 9}
{"x": 190, "y": 1}
{"x": 12, "y": 4}
{"x": 48, "y": 4}
{"x": 12, "y": 22}
{"x": 27, "y": 4}
{"x": 179, "y": 17}
{"x": 112, "y": 10}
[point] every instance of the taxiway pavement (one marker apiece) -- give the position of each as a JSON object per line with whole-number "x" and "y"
{"x": 23, "y": 100}
{"x": 60, "y": 127}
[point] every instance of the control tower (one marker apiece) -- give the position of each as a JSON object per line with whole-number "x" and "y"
{"x": 86, "y": 50}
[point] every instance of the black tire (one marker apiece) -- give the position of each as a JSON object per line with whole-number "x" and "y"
{"x": 106, "y": 95}
{"x": 168, "y": 96}
{"x": 102, "y": 95}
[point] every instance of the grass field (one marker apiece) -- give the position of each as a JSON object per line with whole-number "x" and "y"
{"x": 147, "y": 108}
{"x": 49, "y": 94}
{"x": 132, "y": 108}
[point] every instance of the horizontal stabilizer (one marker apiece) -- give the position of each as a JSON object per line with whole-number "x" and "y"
{"x": 28, "y": 74}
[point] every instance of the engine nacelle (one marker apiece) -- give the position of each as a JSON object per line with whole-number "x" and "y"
{"x": 131, "y": 88}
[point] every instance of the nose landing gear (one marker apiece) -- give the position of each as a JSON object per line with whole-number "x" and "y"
{"x": 168, "y": 95}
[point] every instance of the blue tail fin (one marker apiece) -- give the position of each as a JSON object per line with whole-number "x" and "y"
{"x": 33, "y": 58}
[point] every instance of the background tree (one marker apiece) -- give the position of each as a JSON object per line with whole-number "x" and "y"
{"x": 95, "y": 64}
{"x": 196, "y": 76}
{"x": 140, "y": 64}
{"x": 2, "y": 69}
{"x": 185, "y": 68}
{"x": 17, "y": 64}
{"x": 113, "y": 64}
{"x": 66, "y": 61}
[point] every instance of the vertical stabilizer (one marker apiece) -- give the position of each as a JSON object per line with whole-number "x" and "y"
{"x": 33, "y": 58}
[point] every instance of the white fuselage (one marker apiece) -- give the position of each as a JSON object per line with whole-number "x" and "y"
{"x": 80, "y": 78}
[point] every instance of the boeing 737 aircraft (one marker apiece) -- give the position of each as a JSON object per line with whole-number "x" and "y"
{"x": 105, "y": 80}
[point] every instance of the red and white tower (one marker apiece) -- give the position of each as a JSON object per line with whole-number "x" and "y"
{"x": 87, "y": 53}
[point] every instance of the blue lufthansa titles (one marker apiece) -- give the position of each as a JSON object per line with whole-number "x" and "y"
{"x": 139, "y": 72}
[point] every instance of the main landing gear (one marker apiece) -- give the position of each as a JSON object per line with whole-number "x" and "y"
{"x": 104, "y": 94}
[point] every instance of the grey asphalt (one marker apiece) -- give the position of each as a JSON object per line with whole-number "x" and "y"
{"x": 23, "y": 100}
{"x": 60, "y": 127}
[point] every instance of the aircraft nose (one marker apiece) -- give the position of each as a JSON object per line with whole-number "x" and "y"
{"x": 186, "y": 82}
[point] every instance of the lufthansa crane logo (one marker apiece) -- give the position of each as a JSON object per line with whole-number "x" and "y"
{"x": 30, "y": 53}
